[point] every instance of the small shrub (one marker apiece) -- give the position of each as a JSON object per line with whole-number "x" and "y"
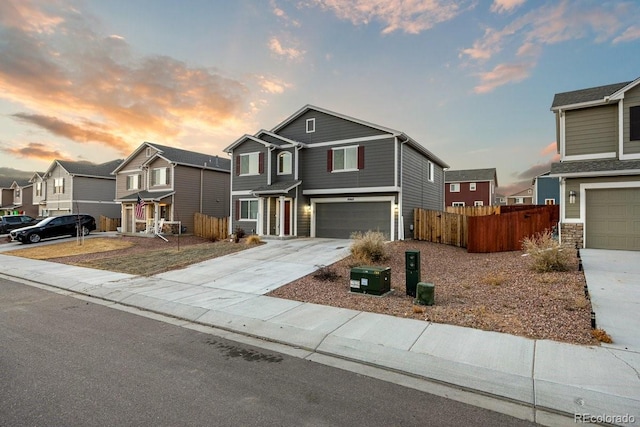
{"x": 239, "y": 233}
{"x": 254, "y": 239}
{"x": 494, "y": 279}
{"x": 547, "y": 253}
{"x": 368, "y": 247}
{"x": 326, "y": 274}
{"x": 601, "y": 335}
{"x": 417, "y": 309}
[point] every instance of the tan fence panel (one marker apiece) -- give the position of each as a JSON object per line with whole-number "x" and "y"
{"x": 440, "y": 227}
{"x": 474, "y": 210}
{"x": 108, "y": 224}
{"x": 210, "y": 227}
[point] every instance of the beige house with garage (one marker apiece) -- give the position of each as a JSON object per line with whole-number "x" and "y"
{"x": 598, "y": 139}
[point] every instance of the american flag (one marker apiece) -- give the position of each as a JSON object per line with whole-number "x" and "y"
{"x": 140, "y": 208}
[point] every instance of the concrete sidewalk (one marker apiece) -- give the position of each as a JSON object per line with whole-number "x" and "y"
{"x": 543, "y": 381}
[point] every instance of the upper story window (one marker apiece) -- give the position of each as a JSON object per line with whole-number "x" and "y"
{"x": 38, "y": 188}
{"x": 284, "y": 163}
{"x": 148, "y": 152}
{"x": 133, "y": 182}
{"x": 454, "y": 188}
{"x": 472, "y": 186}
{"x": 431, "y": 171}
{"x": 519, "y": 200}
{"x": 159, "y": 176}
{"x": 478, "y": 203}
{"x": 58, "y": 185}
{"x": 345, "y": 159}
{"x": 311, "y": 125}
{"x": 634, "y": 123}
{"x": 17, "y": 192}
{"x": 249, "y": 164}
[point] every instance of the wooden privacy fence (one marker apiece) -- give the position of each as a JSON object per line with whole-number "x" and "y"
{"x": 210, "y": 227}
{"x": 501, "y": 229}
{"x": 108, "y": 224}
{"x": 440, "y": 227}
{"x": 474, "y": 210}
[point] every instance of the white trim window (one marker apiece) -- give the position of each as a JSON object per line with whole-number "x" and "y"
{"x": 249, "y": 164}
{"x": 159, "y": 176}
{"x": 38, "y": 189}
{"x": 311, "y": 125}
{"x": 133, "y": 182}
{"x": 519, "y": 200}
{"x": 284, "y": 163}
{"x": 431, "y": 171}
{"x": 478, "y": 203}
{"x": 248, "y": 210}
{"x": 454, "y": 188}
{"x": 457, "y": 204}
{"x": 345, "y": 158}
{"x": 549, "y": 201}
{"x": 472, "y": 186}
{"x": 58, "y": 185}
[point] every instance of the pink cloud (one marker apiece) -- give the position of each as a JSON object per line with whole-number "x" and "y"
{"x": 630, "y": 34}
{"x": 502, "y": 6}
{"x": 501, "y": 75}
{"x": 36, "y": 150}
{"x": 549, "y": 149}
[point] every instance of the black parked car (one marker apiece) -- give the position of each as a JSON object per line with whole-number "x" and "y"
{"x": 55, "y": 226}
{"x": 11, "y": 222}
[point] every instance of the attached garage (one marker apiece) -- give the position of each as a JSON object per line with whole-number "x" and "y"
{"x": 613, "y": 218}
{"x": 340, "y": 218}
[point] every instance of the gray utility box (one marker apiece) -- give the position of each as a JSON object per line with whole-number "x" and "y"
{"x": 370, "y": 280}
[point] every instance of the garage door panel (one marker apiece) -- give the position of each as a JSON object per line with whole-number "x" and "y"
{"x": 340, "y": 220}
{"x": 613, "y": 218}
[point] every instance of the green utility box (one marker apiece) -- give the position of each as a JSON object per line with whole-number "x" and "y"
{"x": 370, "y": 280}
{"x": 426, "y": 294}
{"x": 412, "y": 270}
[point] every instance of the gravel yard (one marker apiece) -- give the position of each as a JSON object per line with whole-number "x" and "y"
{"x": 494, "y": 292}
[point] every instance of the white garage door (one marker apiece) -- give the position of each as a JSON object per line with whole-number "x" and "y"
{"x": 613, "y": 218}
{"x": 339, "y": 220}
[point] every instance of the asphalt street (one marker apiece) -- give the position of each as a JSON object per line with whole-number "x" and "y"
{"x": 67, "y": 361}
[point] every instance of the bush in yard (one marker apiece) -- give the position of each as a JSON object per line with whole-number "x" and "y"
{"x": 547, "y": 253}
{"x": 253, "y": 239}
{"x": 368, "y": 247}
{"x": 326, "y": 273}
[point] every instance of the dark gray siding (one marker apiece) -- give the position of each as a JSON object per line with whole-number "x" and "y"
{"x": 215, "y": 200}
{"x": 591, "y": 130}
{"x": 274, "y": 166}
{"x": 328, "y": 128}
{"x": 417, "y": 190}
{"x": 94, "y": 196}
{"x": 249, "y": 227}
{"x": 631, "y": 99}
{"x": 201, "y": 191}
{"x": 249, "y": 182}
{"x": 377, "y": 172}
{"x": 304, "y": 215}
{"x": 159, "y": 164}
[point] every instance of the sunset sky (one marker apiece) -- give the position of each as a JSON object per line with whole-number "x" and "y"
{"x": 472, "y": 80}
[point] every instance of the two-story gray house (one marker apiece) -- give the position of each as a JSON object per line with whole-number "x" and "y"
{"x": 157, "y": 185}
{"x": 598, "y": 137}
{"x": 79, "y": 187}
{"x": 324, "y": 174}
{"x": 39, "y": 193}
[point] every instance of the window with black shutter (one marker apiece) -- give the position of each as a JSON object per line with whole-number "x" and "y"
{"x": 634, "y": 123}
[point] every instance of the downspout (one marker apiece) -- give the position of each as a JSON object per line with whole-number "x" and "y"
{"x": 400, "y": 193}
{"x": 232, "y": 172}
{"x": 201, "y": 185}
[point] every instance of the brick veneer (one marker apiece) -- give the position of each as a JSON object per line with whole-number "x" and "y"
{"x": 572, "y": 233}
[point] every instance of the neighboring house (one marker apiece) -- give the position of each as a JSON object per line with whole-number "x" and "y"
{"x": 524, "y": 197}
{"x": 471, "y": 187}
{"x": 39, "y": 193}
{"x": 80, "y": 187}
{"x": 324, "y": 174}
{"x": 172, "y": 185}
{"x": 598, "y": 134}
{"x": 500, "y": 199}
{"x": 546, "y": 190}
{"x": 13, "y": 199}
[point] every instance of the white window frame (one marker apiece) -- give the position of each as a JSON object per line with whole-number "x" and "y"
{"x": 519, "y": 200}
{"x": 253, "y": 165}
{"x": 546, "y": 201}
{"x": 310, "y": 125}
{"x": 472, "y": 186}
{"x": 457, "y": 204}
{"x": 58, "y": 185}
{"x": 133, "y": 182}
{"x": 478, "y": 203}
{"x": 38, "y": 189}
{"x": 454, "y": 188}
{"x": 250, "y": 202}
{"x": 163, "y": 173}
{"x": 431, "y": 171}
{"x": 287, "y": 159}
{"x": 148, "y": 152}
{"x": 351, "y": 148}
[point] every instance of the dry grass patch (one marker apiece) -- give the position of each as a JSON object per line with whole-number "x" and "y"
{"x": 66, "y": 249}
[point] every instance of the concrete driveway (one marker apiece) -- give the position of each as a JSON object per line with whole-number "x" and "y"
{"x": 613, "y": 278}
{"x": 264, "y": 268}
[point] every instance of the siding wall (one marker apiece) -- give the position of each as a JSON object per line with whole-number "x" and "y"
{"x": 631, "y": 99}
{"x": 274, "y": 166}
{"x": 572, "y": 211}
{"x": 548, "y": 188}
{"x": 481, "y": 193}
{"x": 417, "y": 190}
{"x": 59, "y": 202}
{"x": 591, "y": 130}
{"x": 133, "y": 166}
{"x": 328, "y": 128}
{"x": 95, "y": 196}
{"x": 160, "y": 163}
{"x": 249, "y": 182}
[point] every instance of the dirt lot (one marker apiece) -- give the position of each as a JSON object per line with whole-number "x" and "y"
{"x": 494, "y": 292}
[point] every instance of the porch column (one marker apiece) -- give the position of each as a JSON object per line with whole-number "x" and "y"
{"x": 281, "y": 216}
{"x": 156, "y": 214}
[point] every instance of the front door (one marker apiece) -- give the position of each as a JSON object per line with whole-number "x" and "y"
{"x": 287, "y": 217}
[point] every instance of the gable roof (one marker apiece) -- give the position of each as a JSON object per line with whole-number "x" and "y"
{"x": 7, "y": 181}
{"x": 527, "y": 192}
{"x": 471, "y": 175}
{"x": 182, "y": 157}
{"x": 87, "y": 169}
{"x": 410, "y": 141}
{"x": 589, "y": 96}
